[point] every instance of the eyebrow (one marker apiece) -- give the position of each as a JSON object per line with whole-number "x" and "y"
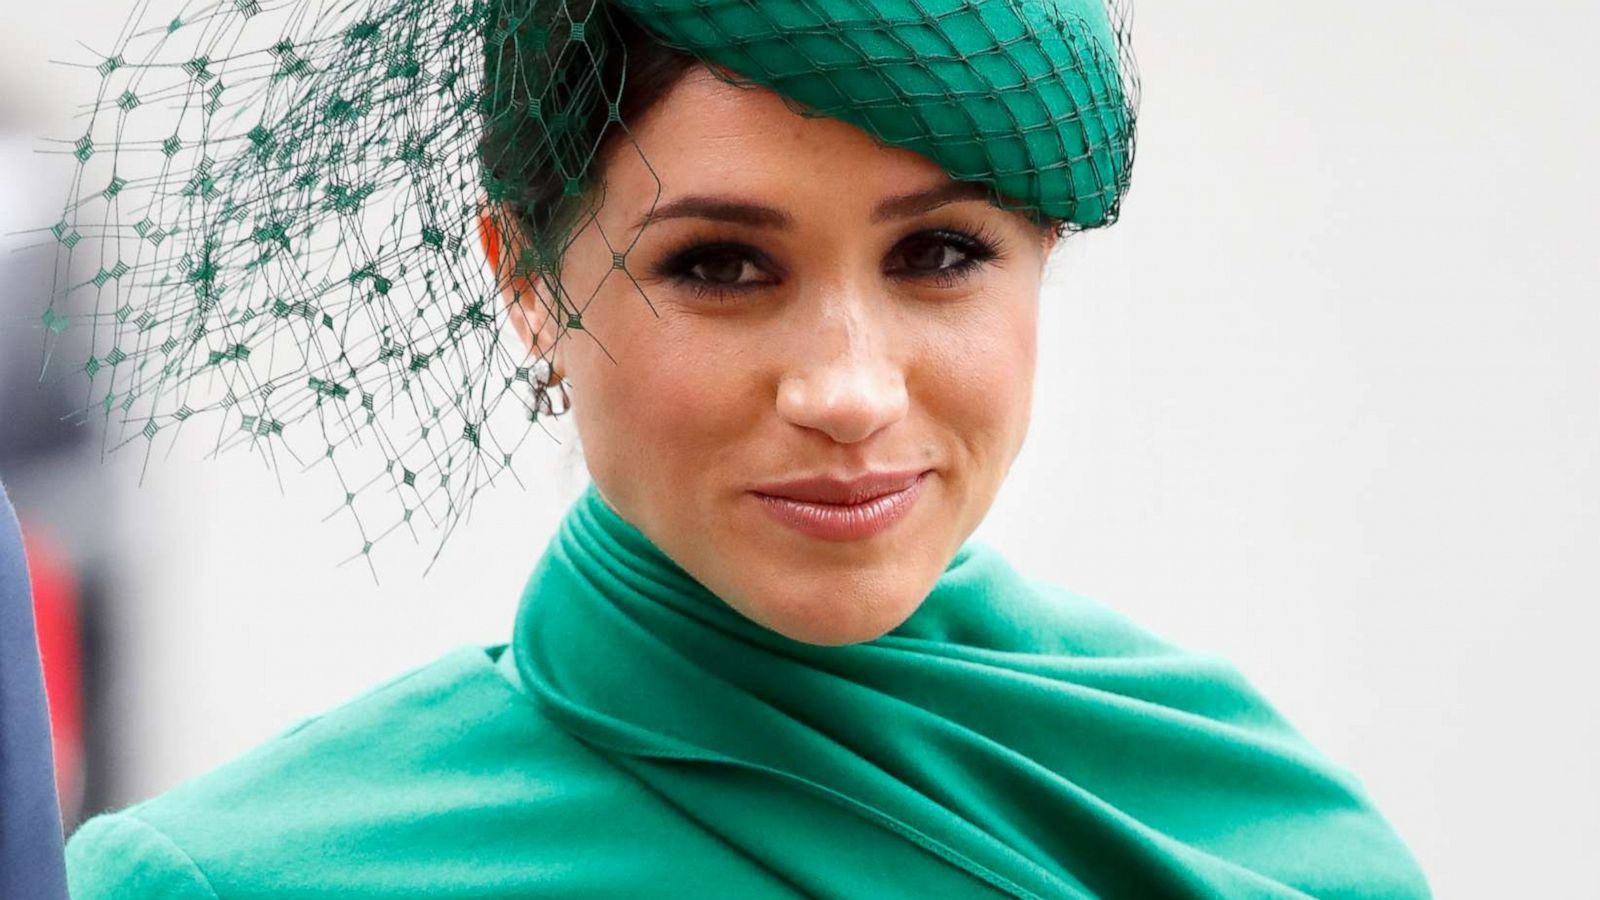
{"x": 757, "y": 215}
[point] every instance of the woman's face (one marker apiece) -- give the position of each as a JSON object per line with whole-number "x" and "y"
{"x": 819, "y": 307}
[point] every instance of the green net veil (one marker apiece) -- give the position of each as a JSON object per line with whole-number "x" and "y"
{"x": 271, "y": 236}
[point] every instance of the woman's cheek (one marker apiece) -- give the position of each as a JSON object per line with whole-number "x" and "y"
{"x": 985, "y": 392}
{"x": 681, "y": 405}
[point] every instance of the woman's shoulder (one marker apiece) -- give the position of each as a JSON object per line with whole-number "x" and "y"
{"x": 444, "y": 757}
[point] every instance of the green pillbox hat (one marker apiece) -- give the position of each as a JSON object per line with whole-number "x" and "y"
{"x": 1032, "y": 97}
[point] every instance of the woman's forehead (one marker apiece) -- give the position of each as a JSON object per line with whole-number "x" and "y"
{"x": 707, "y": 137}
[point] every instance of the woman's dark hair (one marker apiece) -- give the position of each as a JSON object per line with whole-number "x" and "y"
{"x": 554, "y": 104}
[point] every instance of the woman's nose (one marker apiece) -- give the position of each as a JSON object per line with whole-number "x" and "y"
{"x": 846, "y": 384}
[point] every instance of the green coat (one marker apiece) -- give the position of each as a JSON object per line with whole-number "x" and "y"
{"x": 639, "y": 738}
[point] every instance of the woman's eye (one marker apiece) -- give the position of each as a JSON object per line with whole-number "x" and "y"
{"x": 943, "y": 255}
{"x": 928, "y": 255}
{"x": 721, "y": 268}
{"x": 717, "y": 271}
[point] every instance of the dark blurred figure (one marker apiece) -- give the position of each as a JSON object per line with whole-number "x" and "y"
{"x": 31, "y": 863}
{"x": 51, "y": 466}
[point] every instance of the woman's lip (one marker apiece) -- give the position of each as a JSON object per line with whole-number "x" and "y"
{"x": 845, "y": 521}
{"x": 842, "y": 491}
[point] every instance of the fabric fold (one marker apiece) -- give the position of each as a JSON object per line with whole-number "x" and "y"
{"x": 1010, "y": 736}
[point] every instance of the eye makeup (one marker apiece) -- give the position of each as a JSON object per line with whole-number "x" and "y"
{"x": 726, "y": 269}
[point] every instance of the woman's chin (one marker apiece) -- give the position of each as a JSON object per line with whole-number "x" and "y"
{"x": 834, "y": 626}
{"x": 816, "y": 605}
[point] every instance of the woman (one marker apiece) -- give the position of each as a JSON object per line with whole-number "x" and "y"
{"x": 762, "y": 657}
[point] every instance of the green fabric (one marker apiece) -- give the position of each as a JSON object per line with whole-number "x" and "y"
{"x": 640, "y": 738}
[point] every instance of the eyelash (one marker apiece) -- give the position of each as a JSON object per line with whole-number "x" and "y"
{"x": 980, "y": 247}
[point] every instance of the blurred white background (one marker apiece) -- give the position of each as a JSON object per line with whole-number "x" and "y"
{"x": 1327, "y": 401}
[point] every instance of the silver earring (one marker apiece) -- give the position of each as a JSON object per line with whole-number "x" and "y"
{"x": 544, "y": 402}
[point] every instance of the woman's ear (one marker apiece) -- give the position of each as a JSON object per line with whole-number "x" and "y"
{"x": 526, "y": 299}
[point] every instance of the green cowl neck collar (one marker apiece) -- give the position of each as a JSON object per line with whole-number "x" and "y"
{"x": 1008, "y": 739}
